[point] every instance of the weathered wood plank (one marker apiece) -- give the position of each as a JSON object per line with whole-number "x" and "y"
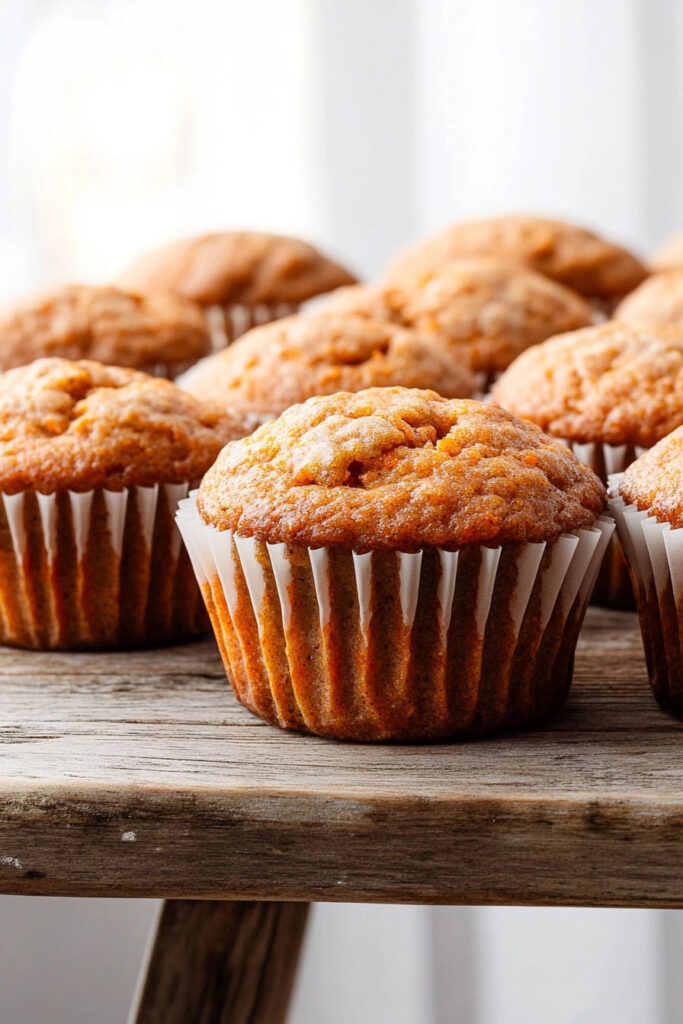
{"x": 218, "y": 962}
{"x": 139, "y": 774}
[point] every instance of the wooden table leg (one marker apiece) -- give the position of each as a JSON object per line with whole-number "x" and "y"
{"x": 221, "y": 962}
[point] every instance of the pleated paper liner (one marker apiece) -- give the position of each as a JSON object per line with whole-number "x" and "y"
{"x": 98, "y": 569}
{"x": 228, "y": 323}
{"x": 395, "y": 646}
{"x": 170, "y": 371}
{"x": 654, "y": 552}
{"x": 613, "y": 587}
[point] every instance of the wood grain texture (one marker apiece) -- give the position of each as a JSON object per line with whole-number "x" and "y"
{"x": 139, "y": 775}
{"x": 219, "y": 962}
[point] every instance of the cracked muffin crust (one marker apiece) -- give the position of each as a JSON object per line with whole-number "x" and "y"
{"x": 105, "y": 324}
{"x": 659, "y": 299}
{"x": 580, "y": 259}
{"x": 613, "y": 383}
{"x": 393, "y": 468}
{"x": 285, "y": 362}
{"x": 238, "y": 267}
{"x": 81, "y": 425}
{"x": 654, "y": 482}
{"x": 493, "y": 309}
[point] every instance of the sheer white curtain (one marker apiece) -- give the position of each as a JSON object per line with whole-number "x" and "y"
{"x": 358, "y": 125}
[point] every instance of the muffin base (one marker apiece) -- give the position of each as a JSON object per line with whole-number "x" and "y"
{"x": 394, "y": 646}
{"x": 227, "y": 323}
{"x": 96, "y": 570}
{"x": 613, "y": 587}
{"x": 655, "y": 556}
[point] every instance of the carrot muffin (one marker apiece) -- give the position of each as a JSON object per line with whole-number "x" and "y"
{"x": 492, "y": 309}
{"x": 669, "y": 256}
{"x": 93, "y": 462}
{"x": 394, "y": 565}
{"x": 647, "y": 502}
{"x": 285, "y": 362}
{"x": 597, "y": 269}
{"x": 158, "y": 333}
{"x": 659, "y": 300}
{"x": 609, "y": 391}
{"x": 240, "y": 278}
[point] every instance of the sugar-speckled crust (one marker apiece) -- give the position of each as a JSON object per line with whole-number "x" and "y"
{"x": 669, "y": 256}
{"x": 280, "y": 364}
{"x": 494, "y": 310}
{"x": 105, "y": 324}
{"x": 654, "y": 482}
{"x": 569, "y": 254}
{"x": 613, "y": 383}
{"x": 80, "y": 425}
{"x": 398, "y": 469}
{"x": 243, "y": 267}
{"x": 659, "y": 299}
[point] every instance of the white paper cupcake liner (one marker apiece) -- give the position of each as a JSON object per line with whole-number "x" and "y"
{"x": 169, "y": 371}
{"x": 613, "y": 588}
{"x": 654, "y": 552}
{"x": 93, "y": 569}
{"x": 395, "y": 645}
{"x": 228, "y": 323}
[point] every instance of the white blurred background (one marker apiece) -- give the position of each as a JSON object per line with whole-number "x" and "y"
{"x": 358, "y": 124}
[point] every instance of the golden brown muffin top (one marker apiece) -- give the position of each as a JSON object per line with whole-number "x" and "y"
{"x": 654, "y": 482}
{"x": 399, "y": 469}
{"x": 669, "y": 256}
{"x": 590, "y": 265}
{"x": 612, "y": 383}
{"x": 493, "y": 309}
{"x": 244, "y": 267}
{"x": 659, "y": 299}
{"x": 80, "y": 425}
{"x": 105, "y": 324}
{"x": 289, "y": 360}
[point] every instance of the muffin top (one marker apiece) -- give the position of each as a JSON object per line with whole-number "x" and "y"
{"x": 289, "y": 360}
{"x": 654, "y": 482}
{"x": 659, "y": 299}
{"x": 399, "y": 469}
{"x": 105, "y": 324}
{"x": 670, "y": 254}
{"x": 569, "y": 254}
{"x": 81, "y": 425}
{"x": 493, "y": 309}
{"x": 238, "y": 267}
{"x": 612, "y": 383}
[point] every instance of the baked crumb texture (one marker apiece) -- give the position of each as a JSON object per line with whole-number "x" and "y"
{"x": 93, "y": 462}
{"x": 592, "y": 266}
{"x": 611, "y": 391}
{"x": 245, "y": 268}
{"x": 242, "y": 279}
{"x": 654, "y": 482}
{"x": 491, "y": 311}
{"x": 613, "y": 383}
{"x": 399, "y": 469}
{"x": 158, "y": 333}
{"x": 392, "y": 565}
{"x": 291, "y": 360}
{"x": 80, "y": 425}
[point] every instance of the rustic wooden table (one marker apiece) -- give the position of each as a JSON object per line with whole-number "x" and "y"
{"x": 139, "y": 775}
